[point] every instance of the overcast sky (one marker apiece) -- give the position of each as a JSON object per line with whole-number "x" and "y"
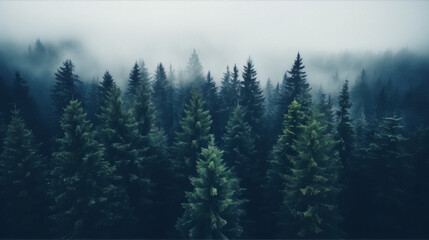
{"x": 119, "y": 33}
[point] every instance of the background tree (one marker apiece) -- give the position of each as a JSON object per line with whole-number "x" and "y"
{"x": 213, "y": 208}
{"x": 162, "y": 99}
{"x": 67, "y": 87}
{"x": 23, "y": 175}
{"x": 251, "y": 98}
{"x": 212, "y": 103}
{"x": 134, "y": 81}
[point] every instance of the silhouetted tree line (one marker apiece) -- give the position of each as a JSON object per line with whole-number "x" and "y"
{"x": 177, "y": 156}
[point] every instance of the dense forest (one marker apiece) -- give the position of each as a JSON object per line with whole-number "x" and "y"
{"x": 178, "y": 154}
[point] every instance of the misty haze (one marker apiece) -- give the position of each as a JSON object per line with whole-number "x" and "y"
{"x": 214, "y": 119}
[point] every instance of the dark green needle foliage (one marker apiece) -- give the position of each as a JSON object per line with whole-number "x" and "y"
{"x": 134, "y": 81}
{"x": 162, "y": 98}
{"x": 327, "y": 114}
{"x": 280, "y": 160}
{"x": 119, "y": 133}
{"x": 391, "y": 179}
{"x": 67, "y": 87}
{"x": 212, "y": 103}
{"x": 310, "y": 197}
{"x": 85, "y": 202}
{"x": 240, "y": 153}
{"x": 251, "y": 98}
{"x": 193, "y": 135}
{"x": 229, "y": 93}
{"x": 345, "y": 133}
{"x": 214, "y": 206}
{"x": 23, "y": 176}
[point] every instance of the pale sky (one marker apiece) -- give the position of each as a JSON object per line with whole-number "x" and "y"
{"x": 117, "y": 33}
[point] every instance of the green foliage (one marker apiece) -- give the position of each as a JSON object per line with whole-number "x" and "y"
{"x": 213, "y": 208}
{"x": 251, "y": 98}
{"x": 310, "y": 196}
{"x": 67, "y": 87}
{"x": 345, "y": 134}
{"x": 391, "y": 177}
{"x": 212, "y": 103}
{"x": 193, "y": 135}
{"x": 23, "y": 176}
{"x": 280, "y": 160}
{"x": 134, "y": 81}
{"x": 229, "y": 92}
{"x": 120, "y": 136}
{"x": 162, "y": 98}
{"x": 86, "y": 203}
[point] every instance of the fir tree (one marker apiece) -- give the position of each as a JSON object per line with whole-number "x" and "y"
{"x": 194, "y": 70}
{"x": 120, "y": 135}
{"x": 280, "y": 163}
{"x": 193, "y": 135}
{"x": 23, "y": 177}
{"x": 162, "y": 98}
{"x": 213, "y": 208}
{"x": 344, "y": 128}
{"x": 86, "y": 204}
{"x": 310, "y": 196}
{"x": 327, "y": 114}
{"x": 67, "y": 87}
{"x": 240, "y": 153}
{"x": 251, "y": 98}
{"x": 134, "y": 81}
{"x": 93, "y": 100}
{"x": 391, "y": 179}
{"x": 105, "y": 86}
{"x": 212, "y": 103}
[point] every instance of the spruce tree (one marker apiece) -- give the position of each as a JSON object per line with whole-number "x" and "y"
{"x": 392, "y": 175}
{"x": 345, "y": 132}
{"x": 193, "y": 135}
{"x": 86, "y": 203}
{"x": 280, "y": 163}
{"x": 67, "y": 87}
{"x": 120, "y": 135}
{"x": 194, "y": 70}
{"x": 327, "y": 114}
{"x": 105, "y": 86}
{"x": 251, "y": 98}
{"x": 23, "y": 176}
{"x": 293, "y": 87}
{"x": 310, "y": 197}
{"x": 212, "y": 103}
{"x": 214, "y": 207}
{"x": 162, "y": 99}
{"x": 134, "y": 81}
{"x": 240, "y": 153}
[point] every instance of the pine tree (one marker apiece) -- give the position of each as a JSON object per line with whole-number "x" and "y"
{"x": 23, "y": 177}
{"x": 93, "y": 100}
{"x": 86, "y": 204}
{"x": 24, "y": 102}
{"x": 134, "y": 81}
{"x": 193, "y": 135}
{"x": 251, "y": 98}
{"x": 213, "y": 208}
{"x": 120, "y": 136}
{"x": 280, "y": 163}
{"x": 162, "y": 99}
{"x": 143, "y": 111}
{"x": 310, "y": 196}
{"x": 212, "y": 103}
{"x": 67, "y": 87}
